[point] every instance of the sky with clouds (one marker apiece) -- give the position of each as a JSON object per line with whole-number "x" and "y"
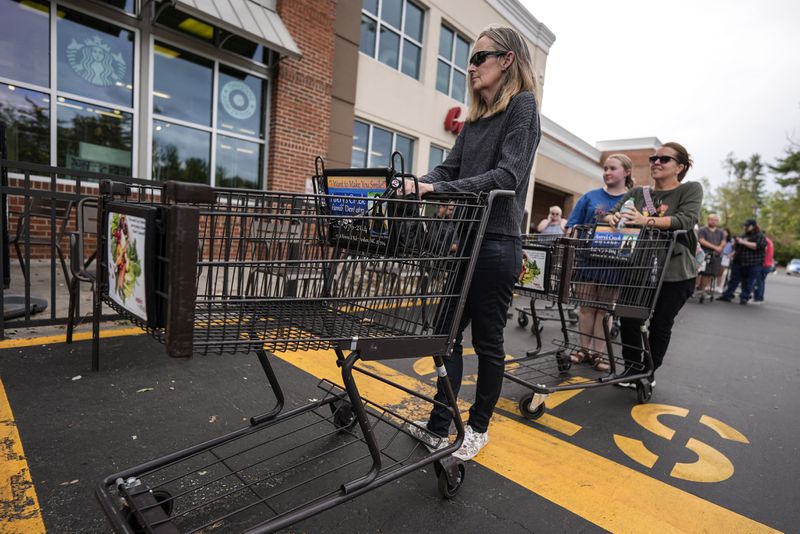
{"x": 716, "y": 76}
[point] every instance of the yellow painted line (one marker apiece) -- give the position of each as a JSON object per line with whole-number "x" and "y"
{"x": 547, "y": 420}
{"x": 18, "y": 502}
{"x": 725, "y": 431}
{"x": 711, "y": 465}
{"x": 61, "y": 338}
{"x": 613, "y": 496}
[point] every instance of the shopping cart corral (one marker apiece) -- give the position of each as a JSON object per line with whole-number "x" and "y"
{"x": 616, "y": 271}
{"x": 355, "y": 270}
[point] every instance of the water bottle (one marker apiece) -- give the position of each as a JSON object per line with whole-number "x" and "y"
{"x": 626, "y": 206}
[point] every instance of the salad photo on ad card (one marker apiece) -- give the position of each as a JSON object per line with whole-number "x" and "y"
{"x": 126, "y": 256}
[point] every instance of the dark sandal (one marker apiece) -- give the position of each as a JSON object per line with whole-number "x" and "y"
{"x": 598, "y": 363}
{"x": 579, "y": 357}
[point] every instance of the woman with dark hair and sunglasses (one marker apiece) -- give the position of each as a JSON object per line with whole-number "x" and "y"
{"x": 494, "y": 150}
{"x": 669, "y": 205}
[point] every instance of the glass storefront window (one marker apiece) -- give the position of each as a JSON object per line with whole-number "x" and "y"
{"x": 239, "y": 103}
{"x": 376, "y": 150}
{"x": 94, "y": 138}
{"x": 180, "y": 153}
{"x": 238, "y": 163}
{"x": 368, "y": 28}
{"x": 393, "y": 39}
{"x": 25, "y": 41}
{"x": 451, "y": 68}
{"x": 128, "y": 6}
{"x": 95, "y": 58}
{"x": 247, "y": 48}
{"x": 186, "y": 24}
{"x": 26, "y": 115}
{"x": 182, "y": 85}
{"x": 358, "y": 159}
{"x": 436, "y": 156}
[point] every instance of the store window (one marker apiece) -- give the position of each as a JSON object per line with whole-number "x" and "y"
{"x": 94, "y": 138}
{"x": 182, "y": 85}
{"x": 239, "y": 103}
{"x": 206, "y": 130}
{"x": 238, "y": 163}
{"x": 451, "y": 66}
{"x": 128, "y": 6}
{"x": 181, "y": 153}
{"x": 25, "y": 41}
{"x": 26, "y": 114}
{"x": 373, "y": 146}
{"x": 391, "y": 32}
{"x": 95, "y": 58}
{"x": 436, "y": 156}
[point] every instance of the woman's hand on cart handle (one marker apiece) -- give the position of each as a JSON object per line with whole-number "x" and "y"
{"x": 409, "y": 185}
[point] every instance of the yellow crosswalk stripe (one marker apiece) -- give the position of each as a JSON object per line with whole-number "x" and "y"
{"x": 19, "y": 507}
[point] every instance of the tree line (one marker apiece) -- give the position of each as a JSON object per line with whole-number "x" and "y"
{"x": 744, "y": 196}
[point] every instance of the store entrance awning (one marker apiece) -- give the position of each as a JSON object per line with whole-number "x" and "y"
{"x": 248, "y": 18}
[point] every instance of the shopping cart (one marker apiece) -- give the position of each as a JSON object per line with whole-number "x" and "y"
{"x": 619, "y": 272}
{"x": 354, "y": 269}
{"x": 541, "y": 265}
{"x": 709, "y": 258}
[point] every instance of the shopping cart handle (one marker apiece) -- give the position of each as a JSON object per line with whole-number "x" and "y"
{"x": 499, "y": 193}
{"x": 187, "y": 193}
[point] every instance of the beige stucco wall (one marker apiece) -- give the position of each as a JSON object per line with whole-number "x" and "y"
{"x": 387, "y": 97}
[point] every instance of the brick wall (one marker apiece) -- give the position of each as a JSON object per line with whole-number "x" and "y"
{"x": 301, "y": 95}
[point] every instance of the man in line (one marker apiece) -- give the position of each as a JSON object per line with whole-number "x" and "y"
{"x": 711, "y": 240}
{"x": 768, "y": 267}
{"x": 748, "y": 259}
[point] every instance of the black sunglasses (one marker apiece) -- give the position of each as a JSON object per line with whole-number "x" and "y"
{"x": 661, "y": 159}
{"x": 478, "y": 58}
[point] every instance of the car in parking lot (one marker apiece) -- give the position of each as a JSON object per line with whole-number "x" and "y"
{"x": 793, "y": 267}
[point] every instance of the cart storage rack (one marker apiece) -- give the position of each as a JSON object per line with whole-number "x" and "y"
{"x": 229, "y": 271}
{"x": 618, "y": 272}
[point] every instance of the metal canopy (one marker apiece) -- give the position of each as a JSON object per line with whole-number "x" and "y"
{"x": 247, "y": 18}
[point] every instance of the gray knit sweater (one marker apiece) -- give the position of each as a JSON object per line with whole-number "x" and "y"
{"x": 494, "y": 153}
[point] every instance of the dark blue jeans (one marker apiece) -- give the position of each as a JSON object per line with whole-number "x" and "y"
{"x": 761, "y": 280}
{"x": 745, "y": 275}
{"x": 489, "y": 297}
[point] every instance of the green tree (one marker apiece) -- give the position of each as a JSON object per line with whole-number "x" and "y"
{"x": 782, "y": 210}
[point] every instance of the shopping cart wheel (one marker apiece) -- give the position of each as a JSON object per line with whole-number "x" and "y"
{"x": 525, "y": 408}
{"x": 164, "y": 498}
{"x": 450, "y": 473}
{"x": 614, "y": 332}
{"x": 644, "y": 391}
{"x": 564, "y": 363}
{"x": 573, "y": 317}
{"x": 343, "y": 416}
{"x": 522, "y": 319}
{"x": 702, "y": 298}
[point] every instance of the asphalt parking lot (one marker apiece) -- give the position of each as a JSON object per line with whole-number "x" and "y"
{"x": 715, "y": 450}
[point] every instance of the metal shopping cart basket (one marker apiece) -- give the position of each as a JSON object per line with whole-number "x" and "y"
{"x": 617, "y": 271}
{"x": 354, "y": 269}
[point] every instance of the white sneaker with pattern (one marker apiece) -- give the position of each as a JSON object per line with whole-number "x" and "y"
{"x": 419, "y": 430}
{"x": 472, "y": 444}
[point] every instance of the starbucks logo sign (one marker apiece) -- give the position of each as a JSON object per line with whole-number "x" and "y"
{"x": 94, "y": 61}
{"x": 238, "y": 100}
